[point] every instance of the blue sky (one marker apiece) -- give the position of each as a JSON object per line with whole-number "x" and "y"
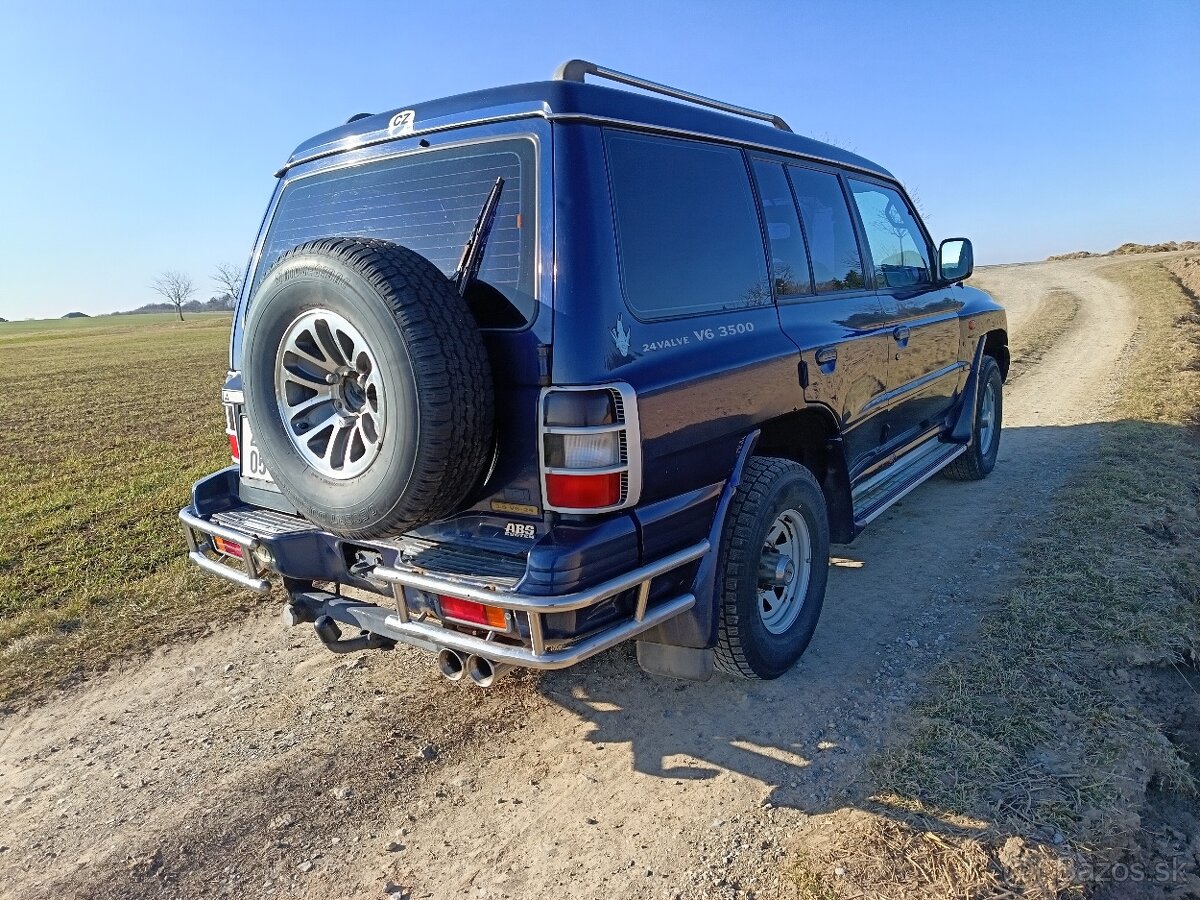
{"x": 139, "y": 137}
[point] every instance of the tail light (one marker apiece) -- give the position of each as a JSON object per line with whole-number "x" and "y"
{"x": 590, "y": 448}
{"x": 231, "y": 431}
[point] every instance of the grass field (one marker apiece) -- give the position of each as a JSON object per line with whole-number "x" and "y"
{"x": 35, "y": 327}
{"x": 104, "y": 425}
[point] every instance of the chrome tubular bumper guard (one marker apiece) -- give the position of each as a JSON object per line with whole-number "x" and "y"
{"x": 193, "y": 525}
{"x": 539, "y": 655}
{"x": 399, "y": 626}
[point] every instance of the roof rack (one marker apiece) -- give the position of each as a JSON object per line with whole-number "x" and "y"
{"x": 575, "y": 69}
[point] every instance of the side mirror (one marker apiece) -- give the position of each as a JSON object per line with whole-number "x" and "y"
{"x": 956, "y": 259}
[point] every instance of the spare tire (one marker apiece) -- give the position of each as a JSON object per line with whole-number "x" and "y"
{"x": 367, "y": 386}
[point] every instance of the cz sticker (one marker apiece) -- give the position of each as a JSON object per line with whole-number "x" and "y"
{"x": 403, "y": 121}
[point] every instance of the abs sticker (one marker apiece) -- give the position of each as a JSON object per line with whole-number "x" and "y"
{"x": 517, "y": 530}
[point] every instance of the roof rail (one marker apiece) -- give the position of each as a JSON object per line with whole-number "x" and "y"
{"x": 575, "y": 69}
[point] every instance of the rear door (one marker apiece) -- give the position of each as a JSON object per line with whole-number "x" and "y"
{"x": 925, "y": 372}
{"x": 428, "y": 199}
{"x": 824, "y": 304}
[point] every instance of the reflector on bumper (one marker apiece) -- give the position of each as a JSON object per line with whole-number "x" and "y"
{"x": 472, "y": 612}
{"x": 229, "y": 548}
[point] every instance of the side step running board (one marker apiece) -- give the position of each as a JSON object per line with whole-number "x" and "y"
{"x": 874, "y": 495}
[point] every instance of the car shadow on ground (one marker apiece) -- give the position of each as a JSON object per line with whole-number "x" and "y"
{"x": 906, "y": 594}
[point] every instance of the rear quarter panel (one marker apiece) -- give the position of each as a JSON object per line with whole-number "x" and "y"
{"x": 702, "y": 381}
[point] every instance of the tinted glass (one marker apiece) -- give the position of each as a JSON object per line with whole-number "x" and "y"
{"x": 832, "y": 246}
{"x": 897, "y": 245}
{"x": 785, "y": 240}
{"x": 428, "y": 202}
{"x": 687, "y": 226}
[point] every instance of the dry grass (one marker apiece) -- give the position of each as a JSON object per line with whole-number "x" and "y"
{"x": 1164, "y": 386}
{"x": 870, "y": 856}
{"x": 104, "y": 425}
{"x": 1039, "y": 736}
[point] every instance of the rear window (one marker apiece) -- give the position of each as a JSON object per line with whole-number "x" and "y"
{"x": 688, "y": 233}
{"x": 427, "y": 201}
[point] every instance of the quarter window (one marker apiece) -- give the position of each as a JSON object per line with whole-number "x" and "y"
{"x": 687, "y": 226}
{"x": 833, "y": 248}
{"x": 898, "y": 246}
{"x": 785, "y": 240}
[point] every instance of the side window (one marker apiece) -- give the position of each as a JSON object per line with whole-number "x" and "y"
{"x": 687, "y": 226}
{"x": 898, "y": 246}
{"x": 832, "y": 246}
{"x": 785, "y": 240}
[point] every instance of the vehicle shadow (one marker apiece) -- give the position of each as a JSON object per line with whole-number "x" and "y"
{"x": 905, "y": 595}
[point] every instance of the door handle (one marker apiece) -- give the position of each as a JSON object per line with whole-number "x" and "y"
{"x": 827, "y": 356}
{"x": 901, "y": 334}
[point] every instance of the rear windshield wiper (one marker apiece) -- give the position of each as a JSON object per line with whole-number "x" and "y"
{"x": 472, "y": 255}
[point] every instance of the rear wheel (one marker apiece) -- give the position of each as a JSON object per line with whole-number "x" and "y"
{"x": 980, "y": 458}
{"x": 773, "y": 569}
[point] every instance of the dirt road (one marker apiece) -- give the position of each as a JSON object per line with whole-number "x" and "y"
{"x": 253, "y": 763}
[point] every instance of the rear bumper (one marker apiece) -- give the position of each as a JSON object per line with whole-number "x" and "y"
{"x": 526, "y": 644}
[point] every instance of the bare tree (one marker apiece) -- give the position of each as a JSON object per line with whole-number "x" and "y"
{"x": 176, "y": 288}
{"x": 229, "y": 279}
{"x": 915, "y": 196}
{"x": 890, "y": 220}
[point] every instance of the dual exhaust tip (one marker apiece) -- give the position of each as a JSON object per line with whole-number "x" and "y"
{"x": 483, "y": 672}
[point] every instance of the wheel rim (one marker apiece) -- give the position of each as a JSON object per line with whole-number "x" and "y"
{"x": 330, "y": 397}
{"x": 987, "y": 419}
{"x": 780, "y": 603}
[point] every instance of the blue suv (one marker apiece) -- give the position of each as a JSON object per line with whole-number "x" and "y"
{"x": 521, "y": 374}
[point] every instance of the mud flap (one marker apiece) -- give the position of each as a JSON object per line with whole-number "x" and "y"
{"x": 697, "y": 628}
{"x": 691, "y": 663}
{"x": 964, "y": 422}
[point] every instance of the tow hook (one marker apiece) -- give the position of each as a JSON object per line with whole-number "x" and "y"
{"x": 327, "y": 630}
{"x": 331, "y": 636}
{"x": 364, "y": 563}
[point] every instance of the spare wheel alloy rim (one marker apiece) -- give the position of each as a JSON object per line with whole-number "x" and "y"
{"x": 329, "y": 393}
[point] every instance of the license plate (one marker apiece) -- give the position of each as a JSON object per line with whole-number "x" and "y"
{"x": 253, "y": 465}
